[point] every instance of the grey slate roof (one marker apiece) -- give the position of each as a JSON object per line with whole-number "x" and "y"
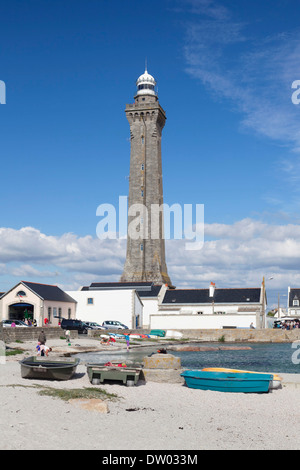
{"x": 294, "y": 295}
{"x": 144, "y": 289}
{"x": 121, "y": 285}
{"x": 150, "y": 293}
{"x": 48, "y": 292}
{"x": 221, "y": 296}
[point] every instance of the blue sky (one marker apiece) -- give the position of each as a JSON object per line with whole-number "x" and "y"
{"x": 224, "y": 71}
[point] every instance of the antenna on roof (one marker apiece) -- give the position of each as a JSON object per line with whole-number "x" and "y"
{"x": 146, "y": 64}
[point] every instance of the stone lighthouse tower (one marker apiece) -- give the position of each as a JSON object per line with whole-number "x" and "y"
{"x": 145, "y": 259}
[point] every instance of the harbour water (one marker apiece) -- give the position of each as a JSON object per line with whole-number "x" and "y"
{"x": 262, "y": 357}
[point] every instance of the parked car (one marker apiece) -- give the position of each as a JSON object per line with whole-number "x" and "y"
{"x": 18, "y": 323}
{"x": 95, "y": 325}
{"x": 111, "y": 325}
{"x": 78, "y": 325}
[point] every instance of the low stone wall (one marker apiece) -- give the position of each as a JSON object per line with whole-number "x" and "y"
{"x": 11, "y": 335}
{"x": 244, "y": 335}
{"x": 232, "y": 335}
{"x": 227, "y": 335}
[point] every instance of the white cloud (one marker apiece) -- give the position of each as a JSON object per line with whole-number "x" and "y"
{"x": 236, "y": 255}
{"x": 29, "y": 249}
{"x": 254, "y": 73}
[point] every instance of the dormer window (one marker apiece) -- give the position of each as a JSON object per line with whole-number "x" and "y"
{"x": 295, "y": 303}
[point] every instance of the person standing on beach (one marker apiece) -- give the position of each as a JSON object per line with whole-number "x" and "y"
{"x": 127, "y": 341}
{"x": 42, "y": 338}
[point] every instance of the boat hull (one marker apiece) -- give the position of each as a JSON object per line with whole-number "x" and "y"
{"x": 275, "y": 384}
{"x": 227, "y": 381}
{"x": 45, "y": 369}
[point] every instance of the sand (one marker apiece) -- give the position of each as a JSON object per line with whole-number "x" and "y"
{"x": 149, "y": 416}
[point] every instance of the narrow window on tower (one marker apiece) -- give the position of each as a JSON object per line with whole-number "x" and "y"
{"x": 142, "y": 167}
{"x": 142, "y": 193}
{"x": 142, "y": 247}
{"x": 142, "y": 140}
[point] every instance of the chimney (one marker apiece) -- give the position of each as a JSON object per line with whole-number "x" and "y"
{"x": 212, "y": 289}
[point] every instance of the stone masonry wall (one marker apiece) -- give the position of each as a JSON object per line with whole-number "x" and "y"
{"x": 11, "y": 335}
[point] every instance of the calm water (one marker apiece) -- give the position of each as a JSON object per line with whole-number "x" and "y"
{"x": 266, "y": 357}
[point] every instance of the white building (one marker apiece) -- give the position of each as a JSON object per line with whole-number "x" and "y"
{"x": 36, "y": 302}
{"x": 151, "y": 295}
{"x": 293, "y": 302}
{"x": 209, "y": 308}
{"x": 103, "y": 304}
{"x": 146, "y": 305}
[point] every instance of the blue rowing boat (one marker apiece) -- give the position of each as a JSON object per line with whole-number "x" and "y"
{"x": 228, "y": 382}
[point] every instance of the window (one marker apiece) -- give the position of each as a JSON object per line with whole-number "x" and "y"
{"x": 90, "y": 301}
{"x": 295, "y": 303}
{"x": 142, "y": 193}
{"x": 146, "y": 87}
{"x": 142, "y": 167}
{"x": 49, "y": 314}
{"x": 143, "y": 140}
{"x": 59, "y": 312}
{"x": 69, "y": 313}
{"x": 21, "y": 293}
{"x": 142, "y": 247}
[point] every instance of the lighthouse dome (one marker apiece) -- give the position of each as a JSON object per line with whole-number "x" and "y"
{"x": 145, "y": 84}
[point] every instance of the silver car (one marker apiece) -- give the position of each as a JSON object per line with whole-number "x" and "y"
{"x": 114, "y": 325}
{"x": 18, "y": 323}
{"x": 94, "y": 325}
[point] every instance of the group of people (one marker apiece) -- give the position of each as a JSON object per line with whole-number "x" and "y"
{"x": 106, "y": 340}
{"x": 41, "y": 348}
{"x": 110, "y": 340}
{"x": 30, "y": 322}
{"x": 287, "y": 324}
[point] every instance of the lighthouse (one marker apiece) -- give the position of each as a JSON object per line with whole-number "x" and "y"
{"x": 145, "y": 256}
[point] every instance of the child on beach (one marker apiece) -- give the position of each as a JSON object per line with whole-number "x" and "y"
{"x": 42, "y": 349}
{"x": 127, "y": 341}
{"x": 45, "y": 350}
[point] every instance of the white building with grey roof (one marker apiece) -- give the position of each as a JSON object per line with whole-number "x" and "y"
{"x": 38, "y": 302}
{"x": 212, "y": 308}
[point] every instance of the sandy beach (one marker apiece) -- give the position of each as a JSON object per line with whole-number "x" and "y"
{"x": 149, "y": 416}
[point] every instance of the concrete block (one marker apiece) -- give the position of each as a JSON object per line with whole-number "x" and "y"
{"x": 163, "y": 375}
{"x": 162, "y": 361}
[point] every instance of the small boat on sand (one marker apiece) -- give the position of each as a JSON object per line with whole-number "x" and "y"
{"x": 127, "y": 374}
{"x": 48, "y": 369}
{"x": 276, "y": 382}
{"x": 228, "y": 381}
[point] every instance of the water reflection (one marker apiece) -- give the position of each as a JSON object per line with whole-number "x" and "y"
{"x": 265, "y": 357}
